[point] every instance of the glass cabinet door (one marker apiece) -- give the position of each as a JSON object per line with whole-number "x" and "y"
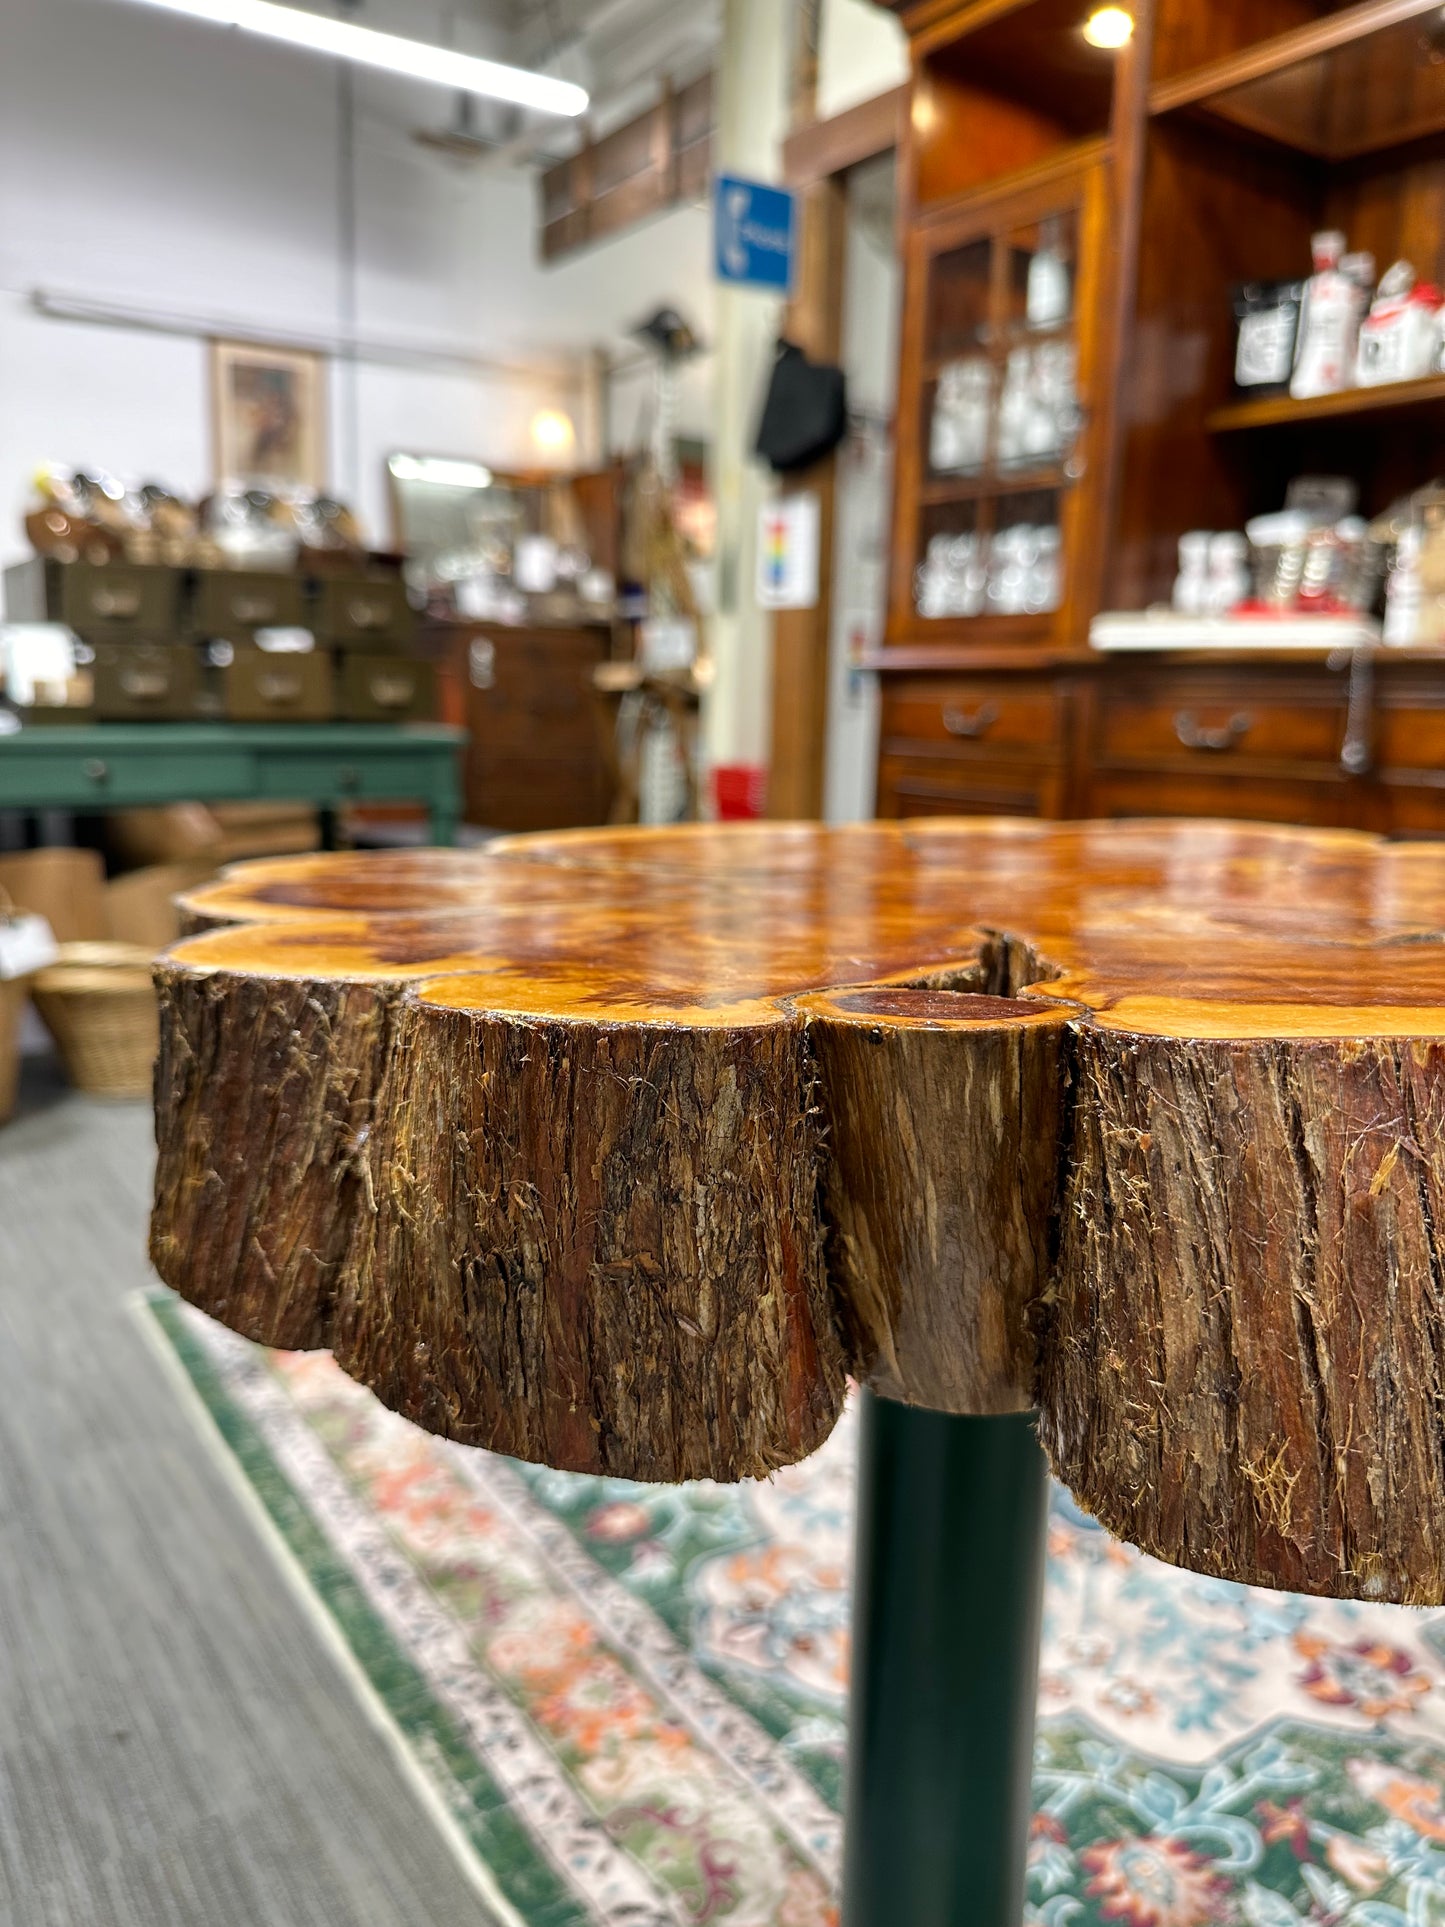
{"x": 1000, "y": 419}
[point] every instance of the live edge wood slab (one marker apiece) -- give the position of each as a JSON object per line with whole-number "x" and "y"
{"x": 618, "y": 1150}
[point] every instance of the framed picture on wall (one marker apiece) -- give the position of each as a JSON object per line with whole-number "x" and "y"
{"x": 268, "y": 409}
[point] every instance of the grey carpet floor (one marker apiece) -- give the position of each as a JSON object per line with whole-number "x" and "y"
{"x": 178, "y": 1746}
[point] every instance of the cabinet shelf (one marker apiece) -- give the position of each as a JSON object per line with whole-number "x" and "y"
{"x": 996, "y": 349}
{"x": 972, "y": 488}
{"x": 1360, "y": 404}
{"x": 1337, "y": 88}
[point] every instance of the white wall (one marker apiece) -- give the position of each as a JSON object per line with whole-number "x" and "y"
{"x": 862, "y": 51}
{"x": 752, "y": 97}
{"x": 160, "y": 163}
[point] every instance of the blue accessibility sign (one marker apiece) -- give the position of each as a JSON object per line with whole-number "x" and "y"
{"x": 755, "y": 228}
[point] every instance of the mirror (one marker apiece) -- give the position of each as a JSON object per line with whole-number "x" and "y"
{"x": 453, "y": 517}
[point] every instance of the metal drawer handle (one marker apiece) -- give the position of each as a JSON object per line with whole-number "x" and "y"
{"x": 392, "y": 692}
{"x": 960, "y": 722}
{"x": 277, "y": 688}
{"x": 1357, "y": 751}
{"x": 145, "y": 685}
{"x": 96, "y": 771}
{"x": 482, "y": 663}
{"x": 1196, "y": 735}
{"x": 253, "y": 608}
{"x": 115, "y": 602}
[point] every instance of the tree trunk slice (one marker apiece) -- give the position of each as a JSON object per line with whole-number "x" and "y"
{"x": 616, "y": 1150}
{"x": 943, "y": 1115}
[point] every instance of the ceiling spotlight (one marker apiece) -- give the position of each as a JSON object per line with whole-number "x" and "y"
{"x": 1109, "y": 27}
{"x": 552, "y": 432}
{"x": 343, "y": 39}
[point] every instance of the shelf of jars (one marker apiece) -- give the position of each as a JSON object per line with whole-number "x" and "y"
{"x": 999, "y": 422}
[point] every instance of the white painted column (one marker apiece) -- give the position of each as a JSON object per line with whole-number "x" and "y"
{"x": 752, "y": 122}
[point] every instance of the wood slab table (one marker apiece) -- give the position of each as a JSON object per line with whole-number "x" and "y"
{"x": 620, "y": 1150}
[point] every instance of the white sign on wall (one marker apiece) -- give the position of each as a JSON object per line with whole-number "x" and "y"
{"x": 788, "y": 532}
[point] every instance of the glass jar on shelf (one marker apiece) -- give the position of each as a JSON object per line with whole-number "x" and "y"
{"x": 1038, "y": 410}
{"x": 1040, "y": 275}
{"x": 962, "y": 419}
{"x": 953, "y": 577}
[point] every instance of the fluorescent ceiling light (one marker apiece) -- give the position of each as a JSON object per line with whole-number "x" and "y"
{"x": 389, "y": 51}
{"x": 438, "y": 469}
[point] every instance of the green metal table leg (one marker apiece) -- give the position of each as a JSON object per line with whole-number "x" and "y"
{"x": 948, "y": 1598}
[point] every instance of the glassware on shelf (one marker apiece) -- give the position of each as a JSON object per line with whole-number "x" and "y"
{"x": 1398, "y": 336}
{"x": 952, "y": 579}
{"x": 1000, "y": 406}
{"x": 1048, "y": 295}
{"x": 1056, "y": 398}
{"x": 1038, "y": 410}
{"x": 1404, "y": 591}
{"x": 1046, "y": 584}
{"x": 1229, "y": 573}
{"x": 1014, "y": 408}
{"x": 962, "y": 418}
{"x": 1015, "y": 572}
{"x": 1039, "y": 276}
{"x": 1190, "y": 595}
{"x": 1335, "y": 299}
{"x": 1333, "y": 576}
{"x": 1023, "y": 573}
{"x": 1267, "y": 317}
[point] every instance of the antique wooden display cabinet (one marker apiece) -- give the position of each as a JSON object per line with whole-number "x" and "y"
{"x": 1078, "y": 218}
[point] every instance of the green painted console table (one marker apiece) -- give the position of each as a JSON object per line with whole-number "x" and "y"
{"x": 113, "y": 766}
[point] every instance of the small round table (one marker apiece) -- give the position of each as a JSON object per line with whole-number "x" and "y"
{"x": 621, "y": 1150}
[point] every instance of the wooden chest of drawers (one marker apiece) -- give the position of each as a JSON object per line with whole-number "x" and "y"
{"x": 535, "y": 759}
{"x": 1304, "y": 739}
{"x": 1223, "y": 740}
{"x": 975, "y": 745}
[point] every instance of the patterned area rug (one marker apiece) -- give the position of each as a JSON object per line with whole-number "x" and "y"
{"x": 632, "y": 1697}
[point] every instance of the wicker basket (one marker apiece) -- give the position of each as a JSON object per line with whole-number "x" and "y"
{"x": 99, "y": 1004}
{"x": 12, "y": 1003}
{"x": 13, "y": 994}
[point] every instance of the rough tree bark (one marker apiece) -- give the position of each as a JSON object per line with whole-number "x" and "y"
{"x": 943, "y": 1116}
{"x": 1246, "y": 1365}
{"x": 616, "y": 1150}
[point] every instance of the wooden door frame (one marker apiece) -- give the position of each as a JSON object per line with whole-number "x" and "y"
{"x": 817, "y": 159}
